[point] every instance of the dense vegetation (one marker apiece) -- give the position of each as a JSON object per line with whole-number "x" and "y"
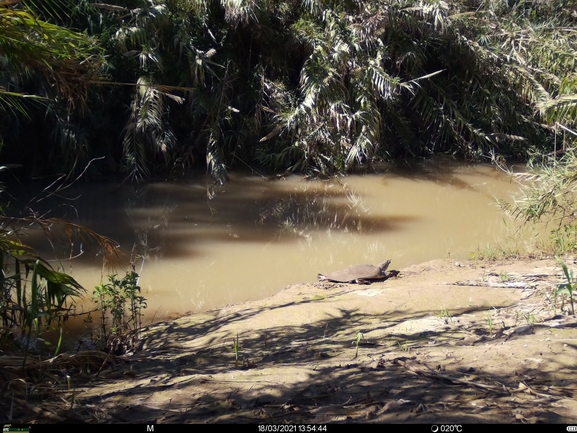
{"x": 317, "y": 86}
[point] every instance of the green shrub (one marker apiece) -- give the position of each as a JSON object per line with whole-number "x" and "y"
{"x": 120, "y": 305}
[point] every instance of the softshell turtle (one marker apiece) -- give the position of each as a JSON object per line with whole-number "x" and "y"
{"x": 360, "y": 274}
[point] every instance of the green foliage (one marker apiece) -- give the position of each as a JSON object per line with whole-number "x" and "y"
{"x": 45, "y": 67}
{"x": 567, "y": 288}
{"x": 34, "y": 296}
{"x": 146, "y": 128}
{"x": 549, "y": 194}
{"x": 29, "y": 45}
{"x": 299, "y": 85}
{"x": 120, "y": 305}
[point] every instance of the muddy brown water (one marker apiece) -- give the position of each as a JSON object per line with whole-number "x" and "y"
{"x": 254, "y": 237}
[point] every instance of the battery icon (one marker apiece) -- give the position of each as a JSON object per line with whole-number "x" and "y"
{"x": 572, "y": 428}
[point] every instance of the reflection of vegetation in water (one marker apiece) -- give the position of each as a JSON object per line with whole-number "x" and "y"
{"x": 150, "y": 235}
{"x": 306, "y": 212}
{"x": 197, "y": 297}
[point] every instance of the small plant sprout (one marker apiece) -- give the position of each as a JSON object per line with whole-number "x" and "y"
{"x": 360, "y": 337}
{"x": 120, "y": 305}
{"x": 444, "y": 314}
{"x": 236, "y": 348}
{"x": 404, "y": 346}
{"x": 530, "y": 318}
{"x": 566, "y": 288}
{"x": 504, "y": 277}
{"x": 490, "y": 322}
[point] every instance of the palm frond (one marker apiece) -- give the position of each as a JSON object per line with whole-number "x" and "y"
{"x": 147, "y": 131}
{"x": 562, "y": 109}
{"x": 239, "y": 11}
{"x": 63, "y": 57}
{"x": 214, "y": 160}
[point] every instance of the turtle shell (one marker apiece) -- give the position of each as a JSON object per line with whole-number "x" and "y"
{"x": 358, "y": 272}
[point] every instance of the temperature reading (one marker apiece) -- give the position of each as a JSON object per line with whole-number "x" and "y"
{"x": 447, "y": 428}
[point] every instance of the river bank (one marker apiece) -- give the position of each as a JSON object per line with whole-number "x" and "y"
{"x": 470, "y": 341}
